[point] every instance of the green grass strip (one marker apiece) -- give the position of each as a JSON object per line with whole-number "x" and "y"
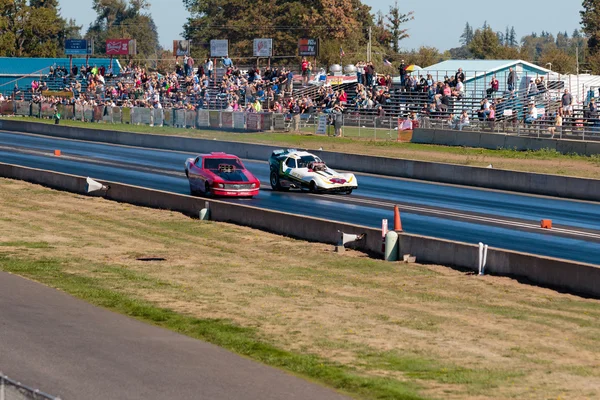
{"x": 240, "y": 340}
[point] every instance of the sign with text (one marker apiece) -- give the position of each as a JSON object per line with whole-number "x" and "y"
{"x": 219, "y": 48}
{"x": 181, "y": 48}
{"x": 263, "y": 47}
{"x": 78, "y": 47}
{"x": 308, "y": 47}
{"x": 118, "y": 47}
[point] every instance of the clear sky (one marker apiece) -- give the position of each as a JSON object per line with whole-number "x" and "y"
{"x": 437, "y": 23}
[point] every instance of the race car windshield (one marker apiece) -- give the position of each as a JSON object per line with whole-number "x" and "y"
{"x": 305, "y": 160}
{"x": 214, "y": 163}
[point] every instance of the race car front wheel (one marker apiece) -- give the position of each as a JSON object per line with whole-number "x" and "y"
{"x": 275, "y": 184}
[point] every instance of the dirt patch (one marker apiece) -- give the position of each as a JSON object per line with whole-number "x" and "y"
{"x": 458, "y": 335}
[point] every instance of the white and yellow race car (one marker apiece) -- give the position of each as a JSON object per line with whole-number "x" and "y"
{"x": 302, "y": 170}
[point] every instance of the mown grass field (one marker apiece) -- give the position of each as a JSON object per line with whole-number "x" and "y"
{"x": 382, "y": 144}
{"x": 372, "y": 329}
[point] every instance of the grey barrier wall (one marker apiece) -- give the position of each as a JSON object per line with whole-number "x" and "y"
{"x": 548, "y": 185}
{"x": 562, "y": 274}
{"x": 494, "y": 141}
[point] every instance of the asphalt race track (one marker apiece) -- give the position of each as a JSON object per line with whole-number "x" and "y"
{"x": 499, "y": 219}
{"x": 69, "y": 348}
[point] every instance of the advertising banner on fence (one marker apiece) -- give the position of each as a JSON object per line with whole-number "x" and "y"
{"x": 23, "y": 108}
{"x": 227, "y": 119}
{"x": 202, "y": 120}
{"x": 88, "y": 113}
{"x": 181, "y": 48}
{"x": 266, "y": 121}
{"x": 78, "y": 47}
{"x": 253, "y": 122}
{"x": 308, "y": 47}
{"x": 214, "y": 119}
{"x": 158, "y": 117}
{"x": 180, "y": 118}
{"x": 79, "y": 112}
{"x": 190, "y": 118}
{"x": 219, "y": 48}
{"x": 46, "y": 110}
{"x": 145, "y": 115}
{"x": 263, "y": 48}
{"x": 98, "y": 113}
{"x": 322, "y": 125}
{"x": 126, "y": 115}
{"x": 7, "y": 108}
{"x": 278, "y": 122}
{"x": 116, "y": 47}
{"x": 136, "y": 117}
{"x": 168, "y": 117}
{"x": 116, "y": 115}
{"x": 239, "y": 120}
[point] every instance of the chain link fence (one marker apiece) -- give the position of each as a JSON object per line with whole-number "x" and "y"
{"x": 14, "y": 390}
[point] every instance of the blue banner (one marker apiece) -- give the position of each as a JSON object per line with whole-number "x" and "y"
{"x": 76, "y": 47}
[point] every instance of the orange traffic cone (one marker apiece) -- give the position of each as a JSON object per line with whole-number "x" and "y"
{"x": 57, "y": 153}
{"x": 546, "y": 224}
{"x": 397, "y": 221}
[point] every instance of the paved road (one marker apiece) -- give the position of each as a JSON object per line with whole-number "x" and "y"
{"x": 66, "y": 347}
{"x": 499, "y": 219}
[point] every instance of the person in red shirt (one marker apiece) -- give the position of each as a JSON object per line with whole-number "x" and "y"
{"x": 304, "y": 67}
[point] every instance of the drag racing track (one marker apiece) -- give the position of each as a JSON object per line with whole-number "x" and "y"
{"x": 500, "y": 219}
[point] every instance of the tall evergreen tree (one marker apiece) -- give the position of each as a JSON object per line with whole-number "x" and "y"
{"x": 467, "y": 35}
{"x": 513, "y": 38}
{"x": 507, "y": 37}
{"x": 395, "y": 21}
{"x": 590, "y": 19}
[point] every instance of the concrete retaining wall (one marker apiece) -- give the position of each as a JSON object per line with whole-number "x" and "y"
{"x": 494, "y": 141}
{"x": 565, "y": 275}
{"x": 549, "y": 185}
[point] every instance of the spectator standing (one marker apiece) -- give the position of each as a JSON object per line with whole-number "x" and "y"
{"x": 190, "y": 66}
{"x": 304, "y": 68}
{"x": 510, "y": 81}
{"x": 360, "y": 69}
{"x": 295, "y": 109}
{"x": 567, "y": 103}
{"x": 402, "y": 71}
{"x": 208, "y": 68}
{"x": 459, "y": 76}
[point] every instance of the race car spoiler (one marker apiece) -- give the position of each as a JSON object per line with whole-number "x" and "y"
{"x": 282, "y": 151}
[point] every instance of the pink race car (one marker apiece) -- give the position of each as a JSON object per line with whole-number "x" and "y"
{"x": 220, "y": 174}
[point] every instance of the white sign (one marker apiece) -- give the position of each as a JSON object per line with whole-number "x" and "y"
{"x": 263, "y": 47}
{"x": 219, "y": 48}
{"x": 322, "y": 125}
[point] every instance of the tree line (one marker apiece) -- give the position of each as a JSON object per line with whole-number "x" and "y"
{"x": 35, "y": 28}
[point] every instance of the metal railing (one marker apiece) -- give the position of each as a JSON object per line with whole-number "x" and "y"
{"x": 14, "y": 390}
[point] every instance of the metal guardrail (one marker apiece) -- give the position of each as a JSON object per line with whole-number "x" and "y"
{"x": 14, "y": 390}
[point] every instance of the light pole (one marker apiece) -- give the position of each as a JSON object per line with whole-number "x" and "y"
{"x": 550, "y": 64}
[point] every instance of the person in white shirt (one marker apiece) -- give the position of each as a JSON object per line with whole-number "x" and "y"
{"x": 532, "y": 115}
{"x": 462, "y": 121}
{"x": 208, "y": 68}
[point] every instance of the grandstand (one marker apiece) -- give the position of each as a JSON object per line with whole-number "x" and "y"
{"x": 20, "y": 72}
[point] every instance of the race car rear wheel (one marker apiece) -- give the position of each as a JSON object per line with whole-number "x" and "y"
{"x": 349, "y": 191}
{"x": 206, "y": 189}
{"x": 313, "y": 187}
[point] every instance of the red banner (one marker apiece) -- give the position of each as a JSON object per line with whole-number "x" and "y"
{"x": 117, "y": 46}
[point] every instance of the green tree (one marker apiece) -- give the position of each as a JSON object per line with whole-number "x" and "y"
{"x": 512, "y": 42}
{"x": 336, "y": 23}
{"x": 485, "y": 44}
{"x": 127, "y": 20}
{"x": 467, "y": 35}
{"x": 424, "y": 57}
{"x": 395, "y": 21}
{"x": 31, "y": 30}
{"x": 560, "y": 60}
{"x": 590, "y": 20}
